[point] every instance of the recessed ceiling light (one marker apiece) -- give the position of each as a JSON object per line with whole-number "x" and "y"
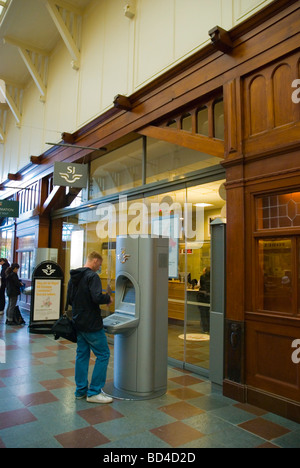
{"x": 203, "y": 205}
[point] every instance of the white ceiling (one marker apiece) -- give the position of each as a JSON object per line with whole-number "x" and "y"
{"x": 27, "y": 21}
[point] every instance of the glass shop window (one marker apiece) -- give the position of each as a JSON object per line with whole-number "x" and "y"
{"x": 186, "y": 123}
{"x": 117, "y": 171}
{"x": 168, "y": 162}
{"x": 276, "y": 275}
{"x": 26, "y": 256}
{"x": 202, "y": 121}
{"x": 6, "y": 244}
{"x": 278, "y": 270}
{"x": 219, "y": 120}
{"x": 278, "y": 211}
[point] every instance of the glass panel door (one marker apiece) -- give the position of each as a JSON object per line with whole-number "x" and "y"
{"x": 6, "y": 244}
{"x": 168, "y": 209}
{"x": 205, "y": 204}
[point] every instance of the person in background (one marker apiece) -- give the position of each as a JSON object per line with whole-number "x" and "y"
{"x": 85, "y": 295}
{"x": 13, "y": 290}
{"x": 204, "y": 298}
{"x": 4, "y": 263}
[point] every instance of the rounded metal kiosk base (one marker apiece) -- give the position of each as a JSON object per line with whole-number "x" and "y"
{"x": 118, "y": 394}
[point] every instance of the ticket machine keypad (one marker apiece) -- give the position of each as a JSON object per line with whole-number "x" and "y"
{"x": 119, "y": 324}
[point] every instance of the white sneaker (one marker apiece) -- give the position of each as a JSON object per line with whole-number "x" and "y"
{"x": 100, "y": 398}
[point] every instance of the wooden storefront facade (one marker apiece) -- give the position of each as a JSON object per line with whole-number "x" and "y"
{"x": 252, "y": 68}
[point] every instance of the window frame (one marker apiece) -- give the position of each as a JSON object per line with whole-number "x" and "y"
{"x": 260, "y": 233}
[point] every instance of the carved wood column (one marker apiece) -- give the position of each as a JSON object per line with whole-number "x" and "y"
{"x": 235, "y": 262}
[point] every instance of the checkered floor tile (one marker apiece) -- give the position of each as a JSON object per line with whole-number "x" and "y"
{"x": 38, "y": 408}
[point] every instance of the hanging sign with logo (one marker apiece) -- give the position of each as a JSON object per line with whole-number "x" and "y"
{"x": 9, "y": 209}
{"x": 70, "y": 175}
{"x": 46, "y": 296}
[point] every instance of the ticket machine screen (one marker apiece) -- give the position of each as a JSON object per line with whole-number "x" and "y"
{"x": 129, "y": 294}
{"x": 124, "y": 319}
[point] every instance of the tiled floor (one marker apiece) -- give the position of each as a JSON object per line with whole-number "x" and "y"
{"x": 38, "y": 408}
{"x": 197, "y": 352}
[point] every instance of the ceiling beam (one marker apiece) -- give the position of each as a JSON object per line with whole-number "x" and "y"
{"x": 67, "y": 6}
{"x": 201, "y": 143}
{"x": 54, "y": 8}
{"x": 28, "y": 55}
{"x": 3, "y": 112}
{"x": 2, "y": 134}
{"x": 13, "y": 96}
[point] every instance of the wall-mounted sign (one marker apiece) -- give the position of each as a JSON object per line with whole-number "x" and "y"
{"x": 169, "y": 226}
{"x": 70, "y": 175}
{"x": 9, "y": 209}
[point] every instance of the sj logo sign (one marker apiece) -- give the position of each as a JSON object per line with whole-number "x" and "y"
{"x": 70, "y": 175}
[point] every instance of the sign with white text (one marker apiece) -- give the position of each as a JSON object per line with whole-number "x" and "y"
{"x": 70, "y": 175}
{"x": 9, "y": 209}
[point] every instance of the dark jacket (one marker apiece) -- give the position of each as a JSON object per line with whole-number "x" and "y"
{"x": 13, "y": 285}
{"x": 3, "y": 275}
{"x": 85, "y": 295}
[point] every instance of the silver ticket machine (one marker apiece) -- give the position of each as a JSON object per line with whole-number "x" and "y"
{"x": 140, "y": 320}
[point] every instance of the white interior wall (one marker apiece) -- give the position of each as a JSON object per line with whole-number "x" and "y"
{"x": 118, "y": 56}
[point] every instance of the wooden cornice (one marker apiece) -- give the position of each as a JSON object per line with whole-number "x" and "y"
{"x": 68, "y": 138}
{"x": 221, "y": 39}
{"x": 36, "y": 159}
{"x": 122, "y": 102}
{"x": 16, "y": 177}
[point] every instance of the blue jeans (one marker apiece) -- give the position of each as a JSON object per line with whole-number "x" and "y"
{"x": 97, "y": 342}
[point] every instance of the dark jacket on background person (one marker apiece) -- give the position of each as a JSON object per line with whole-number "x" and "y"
{"x": 3, "y": 275}
{"x": 84, "y": 296}
{"x": 13, "y": 285}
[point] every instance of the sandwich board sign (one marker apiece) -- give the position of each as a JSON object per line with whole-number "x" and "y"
{"x": 46, "y": 297}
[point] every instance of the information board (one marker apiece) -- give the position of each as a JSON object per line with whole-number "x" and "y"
{"x": 9, "y": 209}
{"x": 169, "y": 226}
{"x": 46, "y": 297}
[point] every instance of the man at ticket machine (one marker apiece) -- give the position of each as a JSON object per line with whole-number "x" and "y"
{"x": 85, "y": 295}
